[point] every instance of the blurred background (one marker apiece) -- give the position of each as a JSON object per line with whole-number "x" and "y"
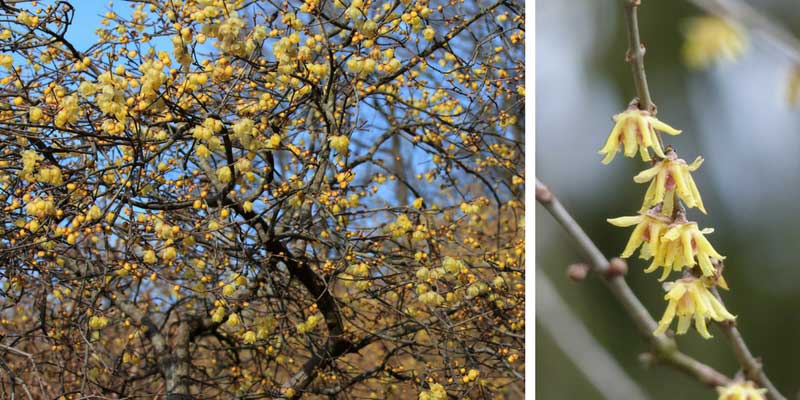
{"x": 734, "y": 113}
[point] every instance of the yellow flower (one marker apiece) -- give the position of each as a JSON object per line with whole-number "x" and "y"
{"x": 233, "y": 320}
{"x": 169, "y": 253}
{"x": 741, "y": 391}
{"x": 665, "y": 178}
{"x": 689, "y": 298}
{"x": 709, "y": 39}
{"x": 649, "y": 229}
{"x": 149, "y": 257}
{"x": 98, "y": 322}
{"x": 635, "y": 130}
{"x": 51, "y": 175}
{"x": 680, "y": 245}
{"x": 35, "y": 114}
{"x": 249, "y": 337}
{"x": 437, "y": 392}
{"x": 340, "y": 143}
{"x": 224, "y": 174}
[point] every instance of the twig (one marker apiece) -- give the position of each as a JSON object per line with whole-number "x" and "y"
{"x": 635, "y": 56}
{"x": 665, "y": 348}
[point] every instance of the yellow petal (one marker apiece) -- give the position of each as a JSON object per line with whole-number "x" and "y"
{"x": 644, "y": 153}
{"x": 686, "y": 244}
{"x": 637, "y": 237}
{"x": 704, "y": 245}
{"x": 676, "y": 292}
{"x": 683, "y": 324}
{"x": 700, "y": 324}
{"x": 648, "y": 197}
{"x": 624, "y": 222}
{"x": 647, "y": 139}
{"x": 655, "y": 234}
{"x": 705, "y": 263}
{"x": 722, "y": 313}
{"x": 672, "y": 234}
{"x": 680, "y": 183}
{"x": 696, "y": 194}
{"x": 612, "y": 143}
{"x": 665, "y": 273}
{"x": 721, "y": 282}
{"x": 696, "y": 164}
{"x": 666, "y": 319}
{"x": 648, "y": 174}
{"x": 656, "y": 144}
{"x": 656, "y": 124}
{"x": 668, "y": 204}
{"x": 629, "y": 139}
{"x": 609, "y": 157}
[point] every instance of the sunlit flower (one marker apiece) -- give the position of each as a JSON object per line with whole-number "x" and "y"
{"x": 668, "y": 176}
{"x": 741, "y": 391}
{"x": 709, "y": 39}
{"x": 340, "y": 143}
{"x": 649, "y": 229}
{"x": 149, "y": 256}
{"x": 680, "y": 245}
{"x": 689, "y": 298}
{"x": 635, "y": 130}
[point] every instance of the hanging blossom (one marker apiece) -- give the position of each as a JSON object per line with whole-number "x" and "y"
{"x": 671, "y": 245}
{"x": 635, "y": 130}
{"x": 680, "y": 245}
{"x": 649, "y": 229}
{"x": 741, "y": 391}
{"x": 667, "y": 177}
{"x": 690, "y": 299}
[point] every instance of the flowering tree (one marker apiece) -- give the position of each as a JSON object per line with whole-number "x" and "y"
{"x": 228, "y": 198}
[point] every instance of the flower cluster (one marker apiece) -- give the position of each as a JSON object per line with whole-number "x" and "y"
{"x": 662, "y": 234}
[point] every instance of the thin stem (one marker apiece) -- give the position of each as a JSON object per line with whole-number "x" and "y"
{"x": 635, "y": 56}
{"x": 751, "y": 366}
{"x": 665, "y": 348}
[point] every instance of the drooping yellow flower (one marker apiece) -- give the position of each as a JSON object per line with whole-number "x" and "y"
{"x": 689, "y": 298}
{"x": 680, "y": 245}
{"x": 635, "y": 130}
{"x": 741, "y": 391}
{"x": 649, "y": 229}
{"x": 668, "y": 176}
{"x": 710, "y": 39}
